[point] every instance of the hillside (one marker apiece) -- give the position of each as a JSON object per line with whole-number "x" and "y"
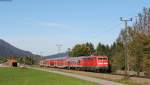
{"x": 58, "y": 55}
{"x": 7, "y": 49}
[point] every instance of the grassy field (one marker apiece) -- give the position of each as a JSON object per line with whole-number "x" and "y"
{"x": 115, "y": 78}
{"x": 25, "y": 76}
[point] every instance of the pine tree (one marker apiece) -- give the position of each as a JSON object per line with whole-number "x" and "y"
{"x": 147, "y": 57}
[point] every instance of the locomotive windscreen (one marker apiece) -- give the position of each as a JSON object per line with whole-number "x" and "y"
{"x": 102, "y": 58}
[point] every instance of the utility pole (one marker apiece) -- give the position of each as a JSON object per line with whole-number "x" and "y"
{"x": 68, "y": 52}
{"x": 59, "y": 48}
{"x": 126, "y": 46}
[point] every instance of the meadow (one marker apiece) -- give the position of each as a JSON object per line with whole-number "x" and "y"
{"x": 26, "y": 76}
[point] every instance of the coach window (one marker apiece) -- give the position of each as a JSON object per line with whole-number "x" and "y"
{"x": 88, "y": 58}
{"x": 78, "y": 61}
{"x": 100, "y": 58}
{"x": 104, "y": 58}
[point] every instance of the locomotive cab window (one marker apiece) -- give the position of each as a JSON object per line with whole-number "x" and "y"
{"x": 102, "y": 58}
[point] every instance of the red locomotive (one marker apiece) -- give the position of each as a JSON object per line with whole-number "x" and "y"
{"x": 86, "y": 63}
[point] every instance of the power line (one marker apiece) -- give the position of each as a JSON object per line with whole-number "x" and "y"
{"x": 109, "y": 26}
{"x": 113, "y": 27}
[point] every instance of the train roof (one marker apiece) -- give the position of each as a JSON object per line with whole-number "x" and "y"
{"x": 57, "y": 58}
{"x": 91, "y": 56}
{"x": 82, "y": 57}
{"x": 76, "y": 57}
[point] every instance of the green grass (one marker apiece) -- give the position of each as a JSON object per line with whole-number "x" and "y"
{"x": 25, "y": 76}
{"x": 128, "y": 82}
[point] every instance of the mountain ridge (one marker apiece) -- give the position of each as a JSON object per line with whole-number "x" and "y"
{"x": 6, "y": 49}
{"x": 58, "y": 55}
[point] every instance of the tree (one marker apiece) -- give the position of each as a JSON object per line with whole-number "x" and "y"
{"x": 91, "y": 47}
{"x": 118, "y": 56}
{"x": 102, "y": 50}
{"x": 136, "y": 56}
{"x": 80, "y": 50}
{"x": 147, "y": 57}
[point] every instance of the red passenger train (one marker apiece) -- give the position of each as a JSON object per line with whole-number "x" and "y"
{"x": 86, "y": 63}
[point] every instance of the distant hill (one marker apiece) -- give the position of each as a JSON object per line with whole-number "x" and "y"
{"x": 58, "y": 55}
{"x": 7, "y": 49}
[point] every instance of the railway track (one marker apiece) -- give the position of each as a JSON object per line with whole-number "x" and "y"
{"x": 91, "y": 74}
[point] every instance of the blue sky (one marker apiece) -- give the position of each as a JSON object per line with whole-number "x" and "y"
{"x": 38, "y": 25}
